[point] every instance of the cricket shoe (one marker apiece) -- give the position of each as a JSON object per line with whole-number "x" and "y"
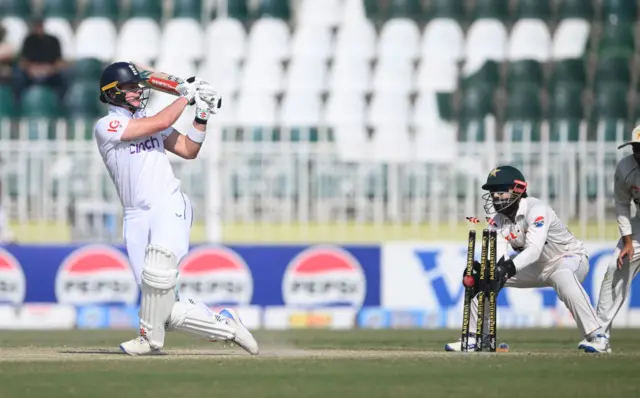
{"x": 471, "y": 344}
{"x": 139, "y": 346}
{"x": 582, "y": 344}
{"x": 243, "y": 337}
{"x": 598, "y": 344}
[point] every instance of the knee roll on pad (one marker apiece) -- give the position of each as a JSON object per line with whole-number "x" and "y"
{"x": 159, "y": 257}
{"x": 159, "y": 279}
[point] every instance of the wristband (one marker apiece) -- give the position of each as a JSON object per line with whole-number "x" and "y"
{"x": 196, "y": 135}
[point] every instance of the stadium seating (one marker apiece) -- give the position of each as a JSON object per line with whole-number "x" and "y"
{"x": 16, "y": 8}
{"x": 145, "y": 9}
{"x": 491, "y": 9}
{"x": 191, "y": 9}
{"x": 7, "y": 106}
{"x": 102, "y": 9}
{"x": 64, "y": 9}
{"x": 379, "y": 81}
{"x": 369, "y": 46}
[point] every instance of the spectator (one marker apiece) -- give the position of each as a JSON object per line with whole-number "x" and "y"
{"x": 6, "y": 57}
{"x": 40, "y": 61}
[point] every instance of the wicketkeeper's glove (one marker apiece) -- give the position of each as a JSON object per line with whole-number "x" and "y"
{"x": 505, "y": 269}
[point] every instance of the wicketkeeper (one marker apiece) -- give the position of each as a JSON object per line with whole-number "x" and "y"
{"x": 548, "y": 255}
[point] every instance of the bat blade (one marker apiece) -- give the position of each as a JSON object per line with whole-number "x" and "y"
{"x": 159, "y": 81}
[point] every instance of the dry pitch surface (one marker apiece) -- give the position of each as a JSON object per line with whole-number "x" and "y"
{"x": 317, "y": 363}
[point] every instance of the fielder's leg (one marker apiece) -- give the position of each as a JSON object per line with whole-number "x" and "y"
{"x": 158, "y": 297}
{"x": 616, "y": 286}
{"x": 566, "y": 279}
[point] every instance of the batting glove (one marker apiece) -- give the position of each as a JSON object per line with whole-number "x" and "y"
{"x": 188, "y": 89}
{"x": 207, "y": 94}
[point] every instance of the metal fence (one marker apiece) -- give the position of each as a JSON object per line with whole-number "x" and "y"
{"x": 49, "y": 174}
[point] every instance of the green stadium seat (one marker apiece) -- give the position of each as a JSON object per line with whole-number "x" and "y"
{"x": 187, "y": 9}
{"x": 610, "y": 107}
{"x": 453, "y": 9}
{"x": 525, "y": 71}
{"x": 477, "y": 103}
{"x": 236, "y": 9}
{"x": 538, "y": 9}
{"x": 406, "y": 9}
{"x": 568, "y": 71}
{"x": 565, "y": 102}
{"x": 613, "y": 69}
{"x": 7, "y": 105}
{"x": 81, "y": 101}
{"x": 146, "y": 9}
{"x": 611, "y": 101}
{"x": 102, "y": 9}
{"x": 488, "y": 74}
{"x": 524, "y": 112}
{"x": 523, "y": 102}
{"x": 274, "y": 8}
{"x": 372, "y": 10}
{"x": 39, "y": 102}
{"x": 87, "y": 69}
{"x": 307, "y": 134}
{"x": 575, "y": 9}
{"x": 491, "y": 9}
{"x": 60, "y": 9}
{"x": 15, "y": 8}
{"x": 619, "y": 11}
{"x": 617, "y": 38}
{"x": 565, "y": 112}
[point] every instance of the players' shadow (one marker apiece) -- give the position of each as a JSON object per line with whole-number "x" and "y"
{"x": 99, "y": 351}
{"x": 105, "y": 351}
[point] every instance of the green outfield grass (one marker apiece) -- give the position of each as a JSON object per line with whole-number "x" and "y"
{"x": 316, "y": 233}
{"x": 317, "y": 363}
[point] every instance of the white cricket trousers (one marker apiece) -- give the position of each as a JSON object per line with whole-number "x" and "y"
{"x": 616, "y": 284}
{"x": 167, "y": 224}
{"x": 565, "y": 276}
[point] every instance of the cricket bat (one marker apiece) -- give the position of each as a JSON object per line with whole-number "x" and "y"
{"x": 159, "y": 81}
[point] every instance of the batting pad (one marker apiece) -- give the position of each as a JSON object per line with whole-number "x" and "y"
{"x": 196, "y": 319}
{"x": 159, "y": 277}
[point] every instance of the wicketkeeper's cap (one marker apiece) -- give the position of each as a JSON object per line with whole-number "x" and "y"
{"x": 635, "y": 138}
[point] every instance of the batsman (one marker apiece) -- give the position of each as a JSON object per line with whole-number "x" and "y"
{"x": 157, "y": 214}
{"x": 547, "y": 255}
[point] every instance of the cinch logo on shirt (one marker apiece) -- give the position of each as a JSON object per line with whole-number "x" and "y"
{"x": 145, "y": 145}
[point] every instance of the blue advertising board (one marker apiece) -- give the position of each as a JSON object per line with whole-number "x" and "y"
{"x": 302, "y": 276}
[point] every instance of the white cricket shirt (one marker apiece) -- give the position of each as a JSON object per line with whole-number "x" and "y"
{"x": 139, "y": 169}
{"x": 626, "y": 189}
{"x": 537, "y": 235}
